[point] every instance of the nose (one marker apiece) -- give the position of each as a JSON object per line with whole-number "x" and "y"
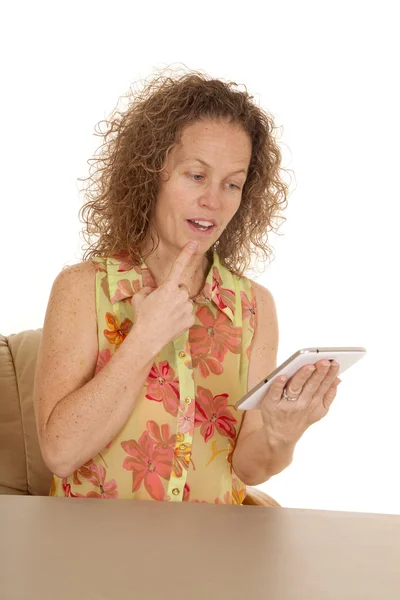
{"x": 211, "y": 198}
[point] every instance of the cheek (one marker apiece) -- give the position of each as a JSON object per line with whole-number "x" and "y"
{"x": 169, "y": 206}
{"x": 232, "y": 208}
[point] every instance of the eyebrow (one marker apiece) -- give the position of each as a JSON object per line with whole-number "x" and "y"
{"x": 203, "y": 162}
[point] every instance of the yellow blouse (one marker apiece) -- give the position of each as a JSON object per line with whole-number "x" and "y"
{"x": 178, "y": 442}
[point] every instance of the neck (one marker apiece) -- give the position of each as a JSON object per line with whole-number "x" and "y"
{"x": 160, "y": 262}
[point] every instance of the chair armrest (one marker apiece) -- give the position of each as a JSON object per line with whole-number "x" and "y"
{"x": 255, "y": 497}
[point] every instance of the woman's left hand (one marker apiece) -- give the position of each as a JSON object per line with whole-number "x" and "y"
{"x": 315, "y": 388}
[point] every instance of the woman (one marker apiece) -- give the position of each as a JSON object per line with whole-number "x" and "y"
{"x": 149, "y": 342}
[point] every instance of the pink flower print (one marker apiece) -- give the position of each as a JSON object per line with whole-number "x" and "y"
{"x": 206, "y": 365}
{"x": 211, "y": 413}
{"x": 126, "y": 289}
{"x": 215, "y": 336}
{"x": 148, "y": 280}
{"x": 249, "y": 309}
{"x": 147, "y": 465}
{"x": 125, "y": 263}
{"x": 107, "y": 489}
{"x": 227, "y": 499}
{"x": 186, "y": 493}
{"x": 67, "y": 490}
{"x": 224, "y": 297}
{"x": 163, "y": 437}
{"x": 99, "y": 267}
{"x": 84, "y": 471}
{"x": 102, "y": 359}
{"x": 163, "y": 386}
{"x": 97, "y": 475}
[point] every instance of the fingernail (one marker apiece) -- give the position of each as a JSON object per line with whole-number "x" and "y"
{"x": 193, "y": 244}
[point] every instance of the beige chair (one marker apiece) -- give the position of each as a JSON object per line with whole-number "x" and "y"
{"x": 22, "y": 470}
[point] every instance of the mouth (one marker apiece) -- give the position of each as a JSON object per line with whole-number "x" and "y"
{"x": 202, "y": 226}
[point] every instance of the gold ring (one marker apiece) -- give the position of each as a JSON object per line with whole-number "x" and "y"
{"x": 288, "y": 398}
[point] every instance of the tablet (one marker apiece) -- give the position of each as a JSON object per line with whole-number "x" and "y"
{"x": 345, "y": 356}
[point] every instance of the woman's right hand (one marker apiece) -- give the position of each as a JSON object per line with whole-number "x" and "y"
{"x": 166, "y": 313}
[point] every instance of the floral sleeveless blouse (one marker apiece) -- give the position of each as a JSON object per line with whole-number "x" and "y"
{"x": 178, "y": 443}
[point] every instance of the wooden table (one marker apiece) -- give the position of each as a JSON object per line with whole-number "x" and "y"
{"x": 88, "y": 549}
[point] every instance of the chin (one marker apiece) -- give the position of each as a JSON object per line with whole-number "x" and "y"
{"x": 204, "y": 247}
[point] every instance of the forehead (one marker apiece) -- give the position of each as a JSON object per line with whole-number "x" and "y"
{"x": 208, "y": 139}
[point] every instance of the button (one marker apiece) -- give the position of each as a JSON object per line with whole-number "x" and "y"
{"x": 175, "y": 491}
{"x": 188, "y": 400}
{"x": 182, "y": 446}
{"x": 182, "y": 354}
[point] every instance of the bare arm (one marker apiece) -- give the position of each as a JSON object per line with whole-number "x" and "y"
{"x": 268, "y": 437}
{"x": 78, "y": 413}
{"x": 257, "y": 456}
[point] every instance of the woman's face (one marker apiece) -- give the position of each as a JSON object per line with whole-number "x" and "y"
{"x": 201, "y": 185}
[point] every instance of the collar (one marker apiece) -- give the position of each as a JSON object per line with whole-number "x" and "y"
{"x": 125, "y": 280}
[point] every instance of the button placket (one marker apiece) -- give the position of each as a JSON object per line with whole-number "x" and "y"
{"x": 187, "y": 393}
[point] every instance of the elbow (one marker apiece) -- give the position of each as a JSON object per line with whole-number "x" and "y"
{"x": 58, "y": 466}
{"x": 250, "y": 474}
{"x": 261, "y": 475}
{"x": 63, "y": 471}
{"x": 252, "y": 479}
{"x": 253, "y": 473}
{"x": 56, "y": 460}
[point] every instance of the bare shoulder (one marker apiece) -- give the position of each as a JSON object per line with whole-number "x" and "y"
{"x": 72, "y": 302}
{"x": 72, "y": 295}
{"x": 265, "y": 300}
{"x": 266, "y": 337}
{"x": 267, "y": 319}
{"x": 263, "y": 357}
{"x": 81, "y": 274}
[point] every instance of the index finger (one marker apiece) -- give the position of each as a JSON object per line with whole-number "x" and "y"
{"x": 182, "y": 261}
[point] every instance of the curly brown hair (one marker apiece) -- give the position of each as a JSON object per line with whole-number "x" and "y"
{"x": 124, "y": 175}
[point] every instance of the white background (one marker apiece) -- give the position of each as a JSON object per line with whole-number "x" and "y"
{"x": 327, "y": 71}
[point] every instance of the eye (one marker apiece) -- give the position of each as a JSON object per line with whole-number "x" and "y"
{"x": 235, "y": 186}
{"x": 196, "y": 175}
